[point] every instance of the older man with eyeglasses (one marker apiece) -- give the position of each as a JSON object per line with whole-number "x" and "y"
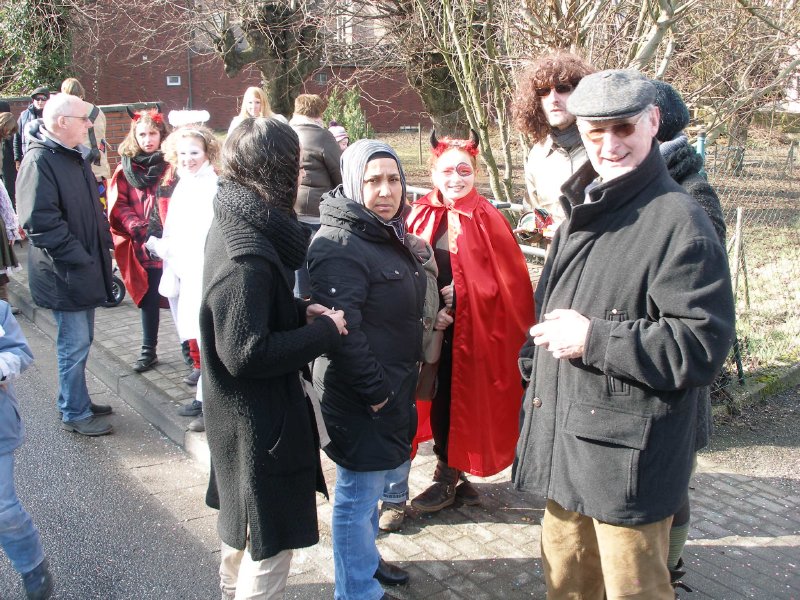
{"x": 635, "y": 316}
{"x": 69, "y": 263}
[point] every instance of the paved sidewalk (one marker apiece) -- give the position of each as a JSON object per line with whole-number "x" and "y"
{"x": 744, "y": 541}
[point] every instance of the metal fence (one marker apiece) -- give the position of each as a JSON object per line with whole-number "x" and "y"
{"x": 759, "y": 190}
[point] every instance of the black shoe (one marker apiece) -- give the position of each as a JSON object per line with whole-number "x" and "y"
{"x": 147, "y": 360}
{"x": 192, "y": 409}
{"x": 91, "y": 426}
{"x": 14, "y": 310}
{"x": 389, "y": 574}
{"x": 98, "y": 410}
{"x": 39, "y": 582}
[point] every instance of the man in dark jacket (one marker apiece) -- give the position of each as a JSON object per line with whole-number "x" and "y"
{"x": 69, "y": 262}
{"x": 636, "y": 316}
{"x": 39, "y": 98}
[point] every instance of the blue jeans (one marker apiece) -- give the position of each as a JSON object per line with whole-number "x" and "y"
{"x": 18, "y": 535}
{"x": 355, "y": 527}
{"x": 73, "y": 340}
{"x": 395, "y": 485}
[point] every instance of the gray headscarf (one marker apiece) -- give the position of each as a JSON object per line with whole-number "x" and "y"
{"x": 354, "y": 162}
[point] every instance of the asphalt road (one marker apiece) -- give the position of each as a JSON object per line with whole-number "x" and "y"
{"x": 121, "y": 516}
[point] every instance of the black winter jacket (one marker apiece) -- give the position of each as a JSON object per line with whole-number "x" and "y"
{"x": 69, "y": 261}
{"x": 321, "y": 172}
{"x": 684, "y": 164}
{"x": 358, "y": 264}
{"x": 255, "y": 341}
{"x": 611, "y": 434}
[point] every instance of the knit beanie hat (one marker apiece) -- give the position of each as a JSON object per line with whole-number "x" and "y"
{"x": 354, "y": 162}
{"x": 42, "y": 90}
{"x": 339, "y": 132}
{"x": 674, "y": 114}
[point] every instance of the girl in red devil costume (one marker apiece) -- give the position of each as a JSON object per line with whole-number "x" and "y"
{"x": 132, "y": 194}
{"x": 486, "y": 304}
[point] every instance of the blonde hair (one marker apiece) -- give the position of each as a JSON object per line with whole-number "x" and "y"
{"x": 72, "y": 87}
{"x": 210, "y": 143}
{"x": 266, "y": 109}
{"x": 8, "y": 125}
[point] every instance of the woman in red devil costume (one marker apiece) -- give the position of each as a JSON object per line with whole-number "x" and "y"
{"x": 487, "y": 309}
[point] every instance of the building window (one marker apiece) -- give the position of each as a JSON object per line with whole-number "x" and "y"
{"x": 321, "y": 78}
{"x": 173, "y": 80}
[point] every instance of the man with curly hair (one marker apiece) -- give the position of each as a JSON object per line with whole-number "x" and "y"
{"x": 540, "y": 111}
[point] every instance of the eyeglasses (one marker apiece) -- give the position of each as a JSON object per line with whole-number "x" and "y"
{"x": 560, "y": 88}
{"x": 40, "y": 98}
{"x": 461, "y": 169}
{"x": 620, "y": 130}
{"x": 87, "y": 119}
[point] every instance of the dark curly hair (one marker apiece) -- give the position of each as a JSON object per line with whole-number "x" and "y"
{"x": 550, "y": 69}
{"x": 264, "y": 155}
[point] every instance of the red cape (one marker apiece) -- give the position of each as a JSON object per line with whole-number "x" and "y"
{"x": 133, "y": 274}
{"x": 494, "y": 311}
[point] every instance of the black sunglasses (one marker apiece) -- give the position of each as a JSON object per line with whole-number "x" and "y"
{"x": 41, "y": 98}
{"x": 560, "y": 88}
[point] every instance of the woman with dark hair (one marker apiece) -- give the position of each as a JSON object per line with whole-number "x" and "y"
{"x": 362, "y": 261}
{"x": 256, "y": 339}
{"x": 132, "y": 194}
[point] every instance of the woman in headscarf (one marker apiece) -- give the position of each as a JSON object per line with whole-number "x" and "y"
{"x": 361, "y": 261}
{"x": 255, "y": 340}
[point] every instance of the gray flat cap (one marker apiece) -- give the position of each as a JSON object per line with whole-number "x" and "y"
{"x": 613, "y": 94}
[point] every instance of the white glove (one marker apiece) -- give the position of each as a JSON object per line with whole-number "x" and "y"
{"x": 9, "y": 366}
{"x": 152, "y": 244}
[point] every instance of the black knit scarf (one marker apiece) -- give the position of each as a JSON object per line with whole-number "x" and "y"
{"x": 144, "y": 170}
{"x": 287, "y": 236}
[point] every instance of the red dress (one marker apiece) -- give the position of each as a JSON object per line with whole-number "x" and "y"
{"x": 494, "y": 311}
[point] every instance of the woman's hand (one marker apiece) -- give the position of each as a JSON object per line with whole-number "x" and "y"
{"x": 337, "y": 316}
{"x": 443, "y": 319}
{"x": 447, "y": 293}
{"x": 315, "y": 310}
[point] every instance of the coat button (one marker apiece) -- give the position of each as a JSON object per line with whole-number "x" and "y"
{"x": 613, "y": 311}
{"x": 416, "y": 273}
{"x": 537, "y": 403}
{"x": 396, "y": 272}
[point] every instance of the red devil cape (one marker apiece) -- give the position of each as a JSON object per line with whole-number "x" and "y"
{"x": 494, "y": 310}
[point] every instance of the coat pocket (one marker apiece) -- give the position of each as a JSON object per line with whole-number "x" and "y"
{"x": 612, "y": 442}
{"x": 617, "y": 387}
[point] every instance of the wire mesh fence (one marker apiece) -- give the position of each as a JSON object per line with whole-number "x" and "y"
{"x": 759, "y": 190}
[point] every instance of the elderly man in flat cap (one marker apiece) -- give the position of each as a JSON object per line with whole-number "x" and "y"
{"x": 635, "y": 316}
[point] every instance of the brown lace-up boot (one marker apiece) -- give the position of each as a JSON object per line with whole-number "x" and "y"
{"x": 443, "y": 491}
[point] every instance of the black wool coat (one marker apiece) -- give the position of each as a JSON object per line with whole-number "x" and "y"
{"x": 69, "y": 263}
{"x": 254, "y": 342}
{"x": 358, "y": 264}
{"x": 611, "y": 434}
